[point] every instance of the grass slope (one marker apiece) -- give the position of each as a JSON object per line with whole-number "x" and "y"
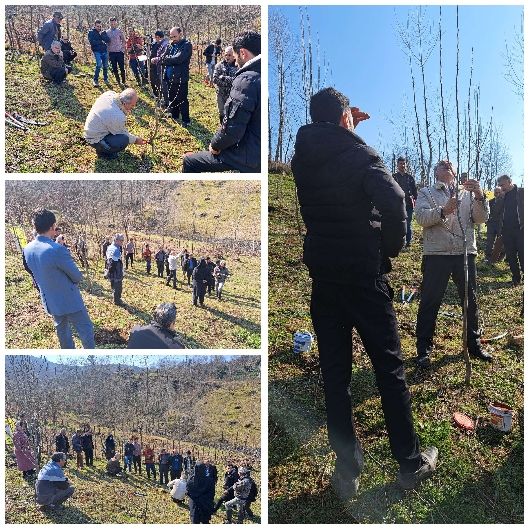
{"x": 59, "y": 147}
{"x": 99, "y": 498}
{"x": 233, "y": 322}
{"x": 480, "y": 476}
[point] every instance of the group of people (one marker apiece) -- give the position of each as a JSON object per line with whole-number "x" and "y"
{"x": 353, "y": 207}
{"x": 236, "y": 146}
{"x": 48, "y": 260}
{"x": 182, "y": 473}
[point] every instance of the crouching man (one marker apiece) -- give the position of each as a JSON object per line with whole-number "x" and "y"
{"x": 443, "y": 254}
{"x": 53, "y": 487}
{"x": 52, "y": 65}
{"x": 104, "y": 128}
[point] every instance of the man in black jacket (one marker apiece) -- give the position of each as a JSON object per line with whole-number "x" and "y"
{"x": 353, "y": 208}
{"x": 175, "y": 63}
{"x": 407, "y": 184}
{"x": 61, "y": 442}
{"x": 492, "y": 223}
{"x": 236, "y": 146}
{"x": 510, "y": 225}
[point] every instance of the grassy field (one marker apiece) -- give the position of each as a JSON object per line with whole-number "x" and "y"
{"x": 60, "y": 147}
{"x": 99, "y": 498}
{"x": 480, "y": 475}
{"x": 233, "y": 322}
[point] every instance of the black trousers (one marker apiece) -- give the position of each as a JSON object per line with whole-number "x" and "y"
{"x": 437, "y": 270}
{"x": 58, "y": 75}
{"x": 137, "y": 463}
{"x": 199, "y": 291}
{"x": 159, "y": 265}
{"x": 513, "y": 242}
{"x": 164, "y": 474}
{"x": 204, "y": 162}
{"x": 172, "y": 275}
{"x": 367, "y": 307}
{"x": 117, "y": 58}
{"x": 117, "y": 288}
{"x": 89, "y": 456}
{"x": 178, "y": 101}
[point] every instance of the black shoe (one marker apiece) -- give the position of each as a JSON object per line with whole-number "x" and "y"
{"x": 345, "y": 487}
{"x": 423, "y": 361}
{"x": 481, "y": 355}
{"x": 410, "y": 480}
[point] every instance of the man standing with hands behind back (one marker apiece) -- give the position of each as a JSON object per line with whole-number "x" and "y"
{"x": 57, "y": 278}
{"x": 354, "y": 209}
{"x": 407, "y": 184}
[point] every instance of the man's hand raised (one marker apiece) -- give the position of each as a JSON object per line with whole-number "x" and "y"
{"x": 358, "y": 116}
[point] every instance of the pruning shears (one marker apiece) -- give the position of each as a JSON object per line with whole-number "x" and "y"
{"x": 406, "y": 299}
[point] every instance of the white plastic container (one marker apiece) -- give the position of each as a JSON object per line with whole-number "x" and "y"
{"x": 179, "y": 489}
{"x": 302, "y": 342}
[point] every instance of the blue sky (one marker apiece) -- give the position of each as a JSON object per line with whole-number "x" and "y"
{"x": 365, "y": 55}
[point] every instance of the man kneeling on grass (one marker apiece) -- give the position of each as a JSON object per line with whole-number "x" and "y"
{"x": 53, "y": 487}
{"x": 52, "y": 64}
{"x": 104, "y": 128}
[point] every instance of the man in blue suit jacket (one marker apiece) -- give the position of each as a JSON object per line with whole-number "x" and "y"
{"x": 57, "y": 278}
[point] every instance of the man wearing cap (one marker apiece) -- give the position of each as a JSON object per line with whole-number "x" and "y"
{"x": 57, "y": 279}
{"x": 114, "y": 267}
{"x": 50, "y": 31}
{"x": 443, "y": 210}
{"x": 352, "y": 207}
{"x": 236, "y": 146}
{"x": 104, "y": 128}
{"x": 241, "y": 491}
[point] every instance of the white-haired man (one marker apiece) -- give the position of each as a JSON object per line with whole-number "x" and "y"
{"x": 52, "y": 65}
{"x": 114, "y": 267}
{"x": 105, "y": 125}
{"x": 436, "y": 211}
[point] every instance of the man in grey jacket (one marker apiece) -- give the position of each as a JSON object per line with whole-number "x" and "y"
{"x": 104, "y": 128}
{"x": 57, "y": 278}
{"x": 442, "y": 210}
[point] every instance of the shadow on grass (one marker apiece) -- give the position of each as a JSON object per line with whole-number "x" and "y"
{"x": 241, "y": 322}
{"x": 126, "y": 162}
{"x": 63, "y": 99}
{"x": 68, "y": 514}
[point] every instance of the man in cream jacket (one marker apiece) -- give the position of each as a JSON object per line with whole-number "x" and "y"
{"x": 104, "y": 128}
{"x": 437, "y": 212}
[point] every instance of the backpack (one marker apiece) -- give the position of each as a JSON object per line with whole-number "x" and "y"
{"x": 253, "y": 492}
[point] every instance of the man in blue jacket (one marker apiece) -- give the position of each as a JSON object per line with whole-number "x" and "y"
{"x": 57, "y": 278}
{"x": 236, "y": 146}
{"x": 98, "y": 42}
{"x": 175, "y": 63}
{"x": 50, "y": 31}
{"x": 52, "y": 487}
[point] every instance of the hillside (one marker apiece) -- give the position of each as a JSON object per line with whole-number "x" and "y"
{"x": 59, "y": 146}
{"x": 480, "y": 475}
{"x": 233, "y": 322}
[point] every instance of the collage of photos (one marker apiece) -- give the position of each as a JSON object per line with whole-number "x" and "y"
{"x": 343, "y": 278}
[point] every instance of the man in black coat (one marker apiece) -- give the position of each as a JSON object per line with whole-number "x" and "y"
{"x": 407, "y": 184}
{"x": 61, "y": 442}
{"x": 175, "y": 63}
{"x": 492, "y": 223}
{"x": 236, "y": 146}
{"x": 354, "y": 209}
{"x": 160, "y": 334}
{"x": 231, "y": 476}
{"x": 510, "y": 225}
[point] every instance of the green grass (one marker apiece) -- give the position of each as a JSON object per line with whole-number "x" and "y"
{"x": 59, "y": 146}
{"x": 233, "y": 323}
{"x": 99, "y": 498}
{"x": 480, "y": 476}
